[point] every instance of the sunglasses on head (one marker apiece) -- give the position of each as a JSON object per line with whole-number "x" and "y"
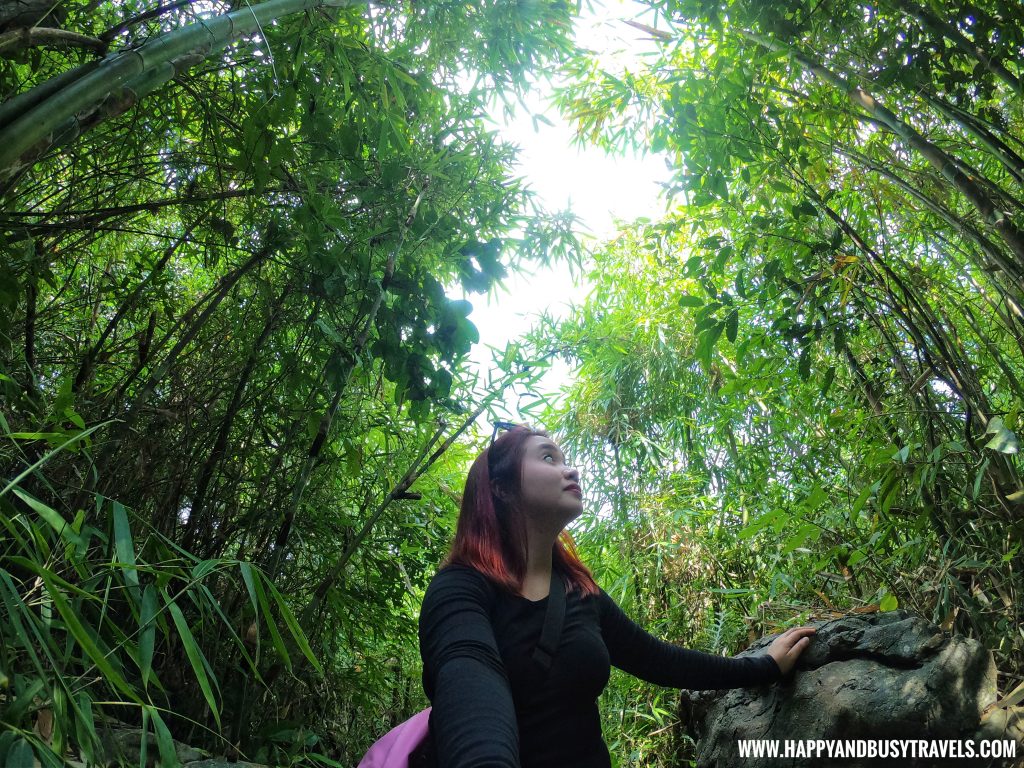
{"x": 501, "y": 426}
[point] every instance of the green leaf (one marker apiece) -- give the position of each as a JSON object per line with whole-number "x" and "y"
{"x": 830, "y": 376}
{"x": 732, "y": 324}
{"x": 1003, "y": 440}
{"x": 164, "y": 741}
{"x": 147, "y": 632}
{"x": 816, "y": 497}
{"x": 799, "y": 538}
{"x": 144, "y": 741}
{"x": 125, "y": 550}
{"x": 293, "y": 627}
{"x": 85, "y": 639}
{"x": 204, "y": 568}
{"x": 741, "y": 284}
{"x": 804, "y": 364}
{"x": 888, "y": 603}
{"x": 15, "y": 710}
{"x": 200, "y": 667}
{"x": 708, "y": 339}
{"x": 49, "y": 455}
{"x": 254, "y": 584}
{"x": 74, "y": 418}
{"x": 690, "y": 301}
{"x": 52, "y": 517}
{"x": 20, "y": 755}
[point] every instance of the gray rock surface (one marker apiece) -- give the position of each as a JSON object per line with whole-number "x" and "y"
{"x": 884, "y": 676}
{"x": 123, "y": 746}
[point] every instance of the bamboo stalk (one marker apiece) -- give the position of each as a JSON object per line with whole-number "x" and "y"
{"x": 993, "y": 64}
{"x": 999, "y": 220}
{"x": 33, "y": 131}
{"x": 23, "y": 102}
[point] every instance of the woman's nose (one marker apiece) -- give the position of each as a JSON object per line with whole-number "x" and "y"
{"x": 572, "y": 473}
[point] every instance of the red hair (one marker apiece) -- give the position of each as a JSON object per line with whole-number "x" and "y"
{"x": 491, "y": 533}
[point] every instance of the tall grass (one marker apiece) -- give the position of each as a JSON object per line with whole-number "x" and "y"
{"x": 98, "y": 612}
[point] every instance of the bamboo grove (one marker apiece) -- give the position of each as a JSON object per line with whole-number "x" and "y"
{"x": 232, "y": 383}
{"x": 819, "y": 408}
{"x": 228, "y": 352}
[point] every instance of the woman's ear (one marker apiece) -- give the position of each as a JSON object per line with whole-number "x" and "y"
{"x": 499, "y": 492}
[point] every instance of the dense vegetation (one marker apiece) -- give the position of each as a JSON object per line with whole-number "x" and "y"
{"x": 234, "y": 395}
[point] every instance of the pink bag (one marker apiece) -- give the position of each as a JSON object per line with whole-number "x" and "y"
{"x": 394, "y": 748}
{"x": 401, "y": 744}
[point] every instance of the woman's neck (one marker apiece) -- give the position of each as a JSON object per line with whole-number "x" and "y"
{"x": 537, "y": 581}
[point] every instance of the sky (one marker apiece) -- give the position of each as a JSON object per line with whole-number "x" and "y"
{"x": 601, "y": 190}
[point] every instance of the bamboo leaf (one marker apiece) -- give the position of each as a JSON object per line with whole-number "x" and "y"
{"x": 708, "y": 338}
{"x": 20, "y": 754}
{"x": 85, "y": 728}
{"x": 804, "y": 364}
{"x": 84, "y": 638}
{"x": 200, "y": 667}
{"x": 51, "y": 516}
{"x": 293, "y": 626}
{"x": 268, "y": 620}
{"x": 1003, "y": 440}
{"x": 16, "y": 710}
{"x": 144, "y": 741}
{"x": 125, "y": 550}
{"x": 1012, "y": 699}
{"x": 204, "y": 568}
{"x": 49, "y": 455}
{"x": 164, "y": 741}
{"x": 247, "y": 578}
{"x": 147, "y": 632}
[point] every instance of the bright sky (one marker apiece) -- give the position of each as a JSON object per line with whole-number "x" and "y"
{"x": 599, "y": 189}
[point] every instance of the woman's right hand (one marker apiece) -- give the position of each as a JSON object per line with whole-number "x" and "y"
{"x": 787, "y": 647}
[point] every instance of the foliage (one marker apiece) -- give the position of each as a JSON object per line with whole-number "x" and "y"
{"x": 89, "y": 617}
{"x": 230, "y": 259}
{"x": 818, "y": 410}
{"x": 233, "y": 379}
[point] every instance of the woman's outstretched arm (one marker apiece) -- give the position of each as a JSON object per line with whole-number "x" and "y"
{"x": 473, "y": 721}
{"x": 640, "y": 654}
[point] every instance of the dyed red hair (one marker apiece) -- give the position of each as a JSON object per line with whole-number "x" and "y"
{"x": 491, "y": 533}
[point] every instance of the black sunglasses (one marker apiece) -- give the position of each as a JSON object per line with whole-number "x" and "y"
{"x": 501, "y": 426}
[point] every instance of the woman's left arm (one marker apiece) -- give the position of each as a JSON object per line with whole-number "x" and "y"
{"x": 640, "y": 654}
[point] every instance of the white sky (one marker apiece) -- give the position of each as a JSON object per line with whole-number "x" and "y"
{"x": 599, "y": 189}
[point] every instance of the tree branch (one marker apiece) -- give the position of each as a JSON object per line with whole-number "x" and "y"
{"x": 30, "y": 37}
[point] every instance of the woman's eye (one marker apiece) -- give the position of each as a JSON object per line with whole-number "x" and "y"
{"x": 549, "y": 456}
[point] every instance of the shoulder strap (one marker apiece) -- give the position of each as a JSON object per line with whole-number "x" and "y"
{"x": 554, "y": 618}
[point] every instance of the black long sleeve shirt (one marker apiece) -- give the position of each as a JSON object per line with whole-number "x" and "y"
{"x": 491, "y": 706}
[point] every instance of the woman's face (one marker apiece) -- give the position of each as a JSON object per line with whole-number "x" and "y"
{"x": 550, "y": 492}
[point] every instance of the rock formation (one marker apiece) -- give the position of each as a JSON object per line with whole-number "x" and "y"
{"x": 884, "y": 676}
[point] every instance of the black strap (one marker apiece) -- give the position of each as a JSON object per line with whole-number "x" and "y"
{"x": 554, "y": 618}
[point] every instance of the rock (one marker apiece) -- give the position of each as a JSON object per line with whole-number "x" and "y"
{"x": 123, "y": 746}
{"x": 884, "y": 676}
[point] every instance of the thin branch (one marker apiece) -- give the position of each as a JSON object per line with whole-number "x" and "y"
{"x": 152, "y": 13}
{"x": 31, "y": 37}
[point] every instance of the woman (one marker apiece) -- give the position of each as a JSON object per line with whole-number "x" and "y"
{"x": 483, "y": 614}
